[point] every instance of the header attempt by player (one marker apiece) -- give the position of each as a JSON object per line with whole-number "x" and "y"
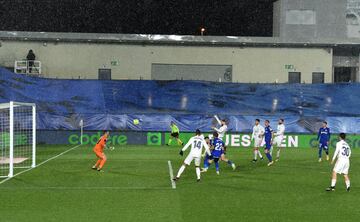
{"x": 223, "y": 127}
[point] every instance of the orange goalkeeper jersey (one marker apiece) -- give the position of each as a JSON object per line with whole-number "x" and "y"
{"x": 100, "y": 145}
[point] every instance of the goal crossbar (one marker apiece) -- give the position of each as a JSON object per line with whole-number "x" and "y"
{"x": 15, "y": 104}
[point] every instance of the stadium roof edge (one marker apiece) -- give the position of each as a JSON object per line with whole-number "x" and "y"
{"x": 153, "y": 39}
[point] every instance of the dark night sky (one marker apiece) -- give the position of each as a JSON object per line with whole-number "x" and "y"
{"x": 220, "y": 17}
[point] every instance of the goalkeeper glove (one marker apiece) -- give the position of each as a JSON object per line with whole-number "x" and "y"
{"x": 181, "y": 153}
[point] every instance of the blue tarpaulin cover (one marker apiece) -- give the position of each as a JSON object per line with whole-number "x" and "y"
{"x": 113, "y": 105}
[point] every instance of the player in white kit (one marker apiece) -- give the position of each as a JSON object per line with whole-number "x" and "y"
{"x": 257, "y": 136}
{"x": 197, "y": 143}
{"x": 279, "y": 136}
{"x": 342, "y": 165}
{"x": 221, "y": 132}
{"x": 223, "y": 127}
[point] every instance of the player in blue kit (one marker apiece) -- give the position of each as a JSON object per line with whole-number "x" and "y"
{"x": 324, "y": 138}
{"x": 217, "y": 149}
{"x": 268, "y": 134}
{"x": 217, "y": 153}
{"x": 218, "y": 145}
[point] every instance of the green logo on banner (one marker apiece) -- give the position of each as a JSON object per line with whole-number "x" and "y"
{"x": 19, "y": 139}
{"x": 92, "y": 138}
{"x": 154, "y": 139}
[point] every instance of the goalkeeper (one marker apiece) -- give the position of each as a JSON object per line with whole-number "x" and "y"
{"x": 99, "y": 152}
{"x": 175, "y": 133}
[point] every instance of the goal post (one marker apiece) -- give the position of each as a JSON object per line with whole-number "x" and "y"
{"x": 81, "y": 124}
{"x": 17, "y": 137}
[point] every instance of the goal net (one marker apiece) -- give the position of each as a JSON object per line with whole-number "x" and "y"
{"x": 17, "y": 137}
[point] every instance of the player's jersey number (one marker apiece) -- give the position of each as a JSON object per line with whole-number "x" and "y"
{"x": 197, "y": 144}
{"x": 346, "y": 151}
{"x": 218, "y": 146}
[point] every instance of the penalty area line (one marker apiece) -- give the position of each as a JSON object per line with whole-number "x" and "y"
{"x": 171, "y": 173}
{"x": 45, "y": 161}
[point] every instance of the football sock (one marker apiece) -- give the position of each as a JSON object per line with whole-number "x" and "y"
{"x": 327, "y": 151}
{"x": 347, "y": 182}
{"x": 268, "y": 155}
{"x": 333, "y": 183}
{"x": 260, "y": 154}
{"x": 278, "y": 153}
{"x": 179, "y": 141}
{"x": 217, "y": 166}
{"x": 320, "y": 149}
{"x": 170, "y": 140}
{"x": 181, "y": 170}
{"x": 206, "y": 163}
{"x": 197, "y": 169}
{"x": 229, "y": 162}
{"x": 102, "y": 163}
{"x": 97, "y": 163}
{"x": 255, "y": 154}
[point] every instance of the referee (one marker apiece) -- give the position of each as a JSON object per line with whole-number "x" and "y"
{"x": 174, "y": 134}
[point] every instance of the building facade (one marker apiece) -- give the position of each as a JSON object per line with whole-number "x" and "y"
{"x": 313, "y": 42}
{"x": 323, "y": 21}
{"x": 261, "y": 64}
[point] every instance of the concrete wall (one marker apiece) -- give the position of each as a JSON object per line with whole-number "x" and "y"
{"x": 277, "y": 18}
{"x": 250, "y": 64}
{"x": 330, "y": 20}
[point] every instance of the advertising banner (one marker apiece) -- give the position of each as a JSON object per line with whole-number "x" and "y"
{"x": 238, "y": 140}
{"x": 91, "y": 137}
{"x": 290, "y": 140}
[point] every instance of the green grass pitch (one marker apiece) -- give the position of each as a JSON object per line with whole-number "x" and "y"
{"x": 136, "y": 187}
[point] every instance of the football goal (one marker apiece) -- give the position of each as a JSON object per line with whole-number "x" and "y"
{"x": 17, "y": 137}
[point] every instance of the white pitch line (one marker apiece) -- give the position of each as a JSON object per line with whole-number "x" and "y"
{"x": 171, "y": 173}
{"x": 84, "y": 188}
{"x": 45, "y": 161}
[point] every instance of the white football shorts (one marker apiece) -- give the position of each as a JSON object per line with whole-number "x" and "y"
{"x": 258, "y": 142}
{"x": 190, "y": 158}
{"x": 342, "y": 166}
{"x": 278, "y": 141}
